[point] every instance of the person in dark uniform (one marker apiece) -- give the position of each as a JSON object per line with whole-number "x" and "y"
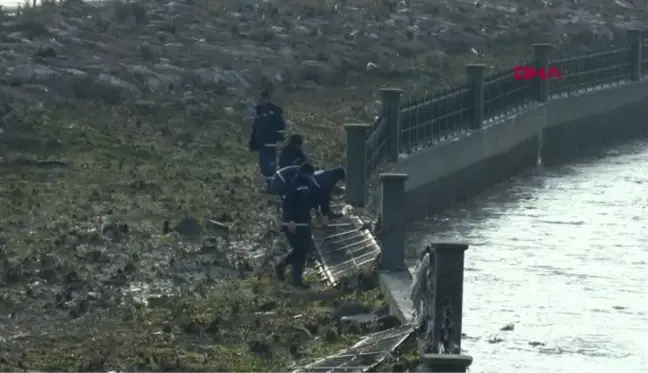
{"x": 327, "y": 180}
{"x": 283, "y": 176}
{"x": 267, "y": 135}
{"x": 281, "y": 180}
{"x": 292, "y": 153}
{"x": 296, "y": 221}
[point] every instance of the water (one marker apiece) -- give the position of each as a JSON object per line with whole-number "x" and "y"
{"x": 562, "y": 254}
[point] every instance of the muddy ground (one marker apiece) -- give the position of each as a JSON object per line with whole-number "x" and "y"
{"x": 118, "y": 117}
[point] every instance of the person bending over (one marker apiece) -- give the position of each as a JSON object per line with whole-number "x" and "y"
{"x": 327, "y": 180}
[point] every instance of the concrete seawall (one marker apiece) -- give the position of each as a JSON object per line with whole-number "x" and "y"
{"x": 554, "y": 131}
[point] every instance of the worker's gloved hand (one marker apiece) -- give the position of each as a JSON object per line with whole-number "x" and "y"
{"x": 324, "y": 223}
{"x": 291, "y": 226}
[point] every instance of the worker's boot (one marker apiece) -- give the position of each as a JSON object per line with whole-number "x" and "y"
{"x": 298, "y": 275}
{"x": 280, "y": 268}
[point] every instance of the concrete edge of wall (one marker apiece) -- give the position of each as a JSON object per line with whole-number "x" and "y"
{"x": 395, "y": 286}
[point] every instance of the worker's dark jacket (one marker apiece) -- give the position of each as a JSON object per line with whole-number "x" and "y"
{"x": 291, "y": 155}
{"x": 269, "y": 127}
{"x": 282, "y": 179}
{"x": 326, "y": 180}
{"x": 298, "y": 202}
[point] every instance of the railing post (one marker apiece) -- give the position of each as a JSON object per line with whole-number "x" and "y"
{"x": 391, "y": 98}
{"x": 541, "y": 61}
{"x": 356, "y": 163}
{"x": 448, "y": 299}
{"x": 475, "y": 75}
{"x": 448, "y": 363}
{"x": 394, "y": 223}
{"x": 635, "y": 39}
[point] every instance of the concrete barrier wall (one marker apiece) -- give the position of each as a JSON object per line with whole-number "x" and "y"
{"x": 555, "y": 131}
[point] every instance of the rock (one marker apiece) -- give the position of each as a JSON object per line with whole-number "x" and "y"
{"x": 268, "y": 306}
{"x": 31, "y": 74}
{"x": 188, "y": 226}
{"x": 46, "y": 51}
{"x": 115, "y": 90}
{"x": 261, "y": 349}
{"x": 316, "y": 71}
{"x": 111, "y": 229}
{"x": 153, "y": 81}
{"x": 362, "y": 319}
{"x": 350, "y": 309}
{"x": 230, "y": 52}
{"x": 387, "y": 322}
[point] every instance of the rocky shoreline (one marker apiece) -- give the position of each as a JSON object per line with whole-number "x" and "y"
{"x": 208, "y": 58}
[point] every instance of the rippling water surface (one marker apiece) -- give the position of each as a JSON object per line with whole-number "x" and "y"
{"x": 562, "y": 253}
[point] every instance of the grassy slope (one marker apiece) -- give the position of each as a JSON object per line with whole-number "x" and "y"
{"x": 60, "y": 307}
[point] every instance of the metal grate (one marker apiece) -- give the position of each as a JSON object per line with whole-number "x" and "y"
{"x": 364, "y": 355}
{"x": 345, "y": 249}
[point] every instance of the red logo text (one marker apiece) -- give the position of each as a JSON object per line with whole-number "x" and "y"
{"x": 530, "y": 72}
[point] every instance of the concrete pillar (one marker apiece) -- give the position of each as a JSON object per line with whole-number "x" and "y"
{"x": 475, "y": 75}
{"x": 391, "y": 101}
{"x": 449, "y": 273}
{"x": 449, "y": 363}
{"x": 394, "y": 221}
{"x": 636, "y": 64}
{"x": 541, "y": 61}
{"x": 356, "y": 163}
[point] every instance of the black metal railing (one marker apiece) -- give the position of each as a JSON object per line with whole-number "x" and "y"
{"x": 644, "y": 55}
{"x": 376, "y": 145}
{"x": 434, "y": 117}
{"x": 504, "y": 94}
{"x": 585, "y": 71}
{"x": 441, "y": 115}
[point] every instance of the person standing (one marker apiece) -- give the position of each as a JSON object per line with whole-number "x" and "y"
{"x": 267, "y": 135}
{"x": 296, "y": 224}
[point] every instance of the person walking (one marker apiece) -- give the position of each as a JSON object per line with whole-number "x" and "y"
{"x": 296, "y": 224}
{"x": 267, "y": 135}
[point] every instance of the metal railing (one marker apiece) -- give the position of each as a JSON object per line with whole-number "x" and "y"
{"x": 376, "y": 145}
{"x": 583, "y": 71}
{"x": 503, "y": 93}
{"x": 430, "y": 119}
{"x": 425, "y": 121}
{"x": 644, "y": 55}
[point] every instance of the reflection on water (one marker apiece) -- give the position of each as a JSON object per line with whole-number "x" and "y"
{"x": 562, "y": 253}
